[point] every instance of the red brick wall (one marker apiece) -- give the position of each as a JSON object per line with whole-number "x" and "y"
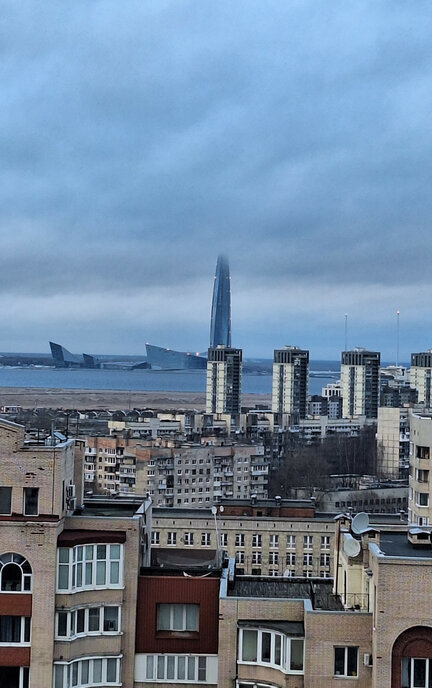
{"x": 12, "y": 604}
{"x": 154, "y": 590}
{"x": 15, "y": 657}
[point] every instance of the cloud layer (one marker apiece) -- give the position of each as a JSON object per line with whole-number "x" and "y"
{"x": 139, "y": 140}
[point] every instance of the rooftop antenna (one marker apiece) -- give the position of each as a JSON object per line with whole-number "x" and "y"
{"x": 397, "y": 337}
{"x": 346, "y": 332}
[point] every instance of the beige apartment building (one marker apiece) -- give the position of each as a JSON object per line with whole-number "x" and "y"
{"x": 223, "y": 381}
{"x": 198, "y": 475}
{"x": 420, "y": 376}
{"x": 297, "y": 543}
{"x": 68, "y": 576}
{"x": 290, "y": 384}
{"x": 393, "y": 438}
{"x": 360, "y": 383}
{"x": 419, "y": 501}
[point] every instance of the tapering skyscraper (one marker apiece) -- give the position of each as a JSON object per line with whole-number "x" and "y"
{"x": 220, "y": 326}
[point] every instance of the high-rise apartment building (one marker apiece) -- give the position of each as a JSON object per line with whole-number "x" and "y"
{"x": 419, "y": 501}
{"x": 223, "y": 388}
{"x": 420, "y": 376}
{"x": 220, "y": 326}
{"x": 360, "y": 383}
{"x": 290, "y": 382}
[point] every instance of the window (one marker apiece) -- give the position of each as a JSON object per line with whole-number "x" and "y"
{"x": 188, "y": 538}
{"x": 239, "y": 540}
{"x": 89, "y": 566}
{"x": 307, "y": 559}
{"x": 271, "y": 648}
{"x": 257, "y": 540}
{"x": 273, "y": 540}
{"x": 290, "y": 559}
{"x": 205, "y": 539}
{"x": 224, "y": 539}
{"x": 14, "y": 629}
{"x": 291, "y": 542}
{"x": 14, "y": 677}
{"x": 240, "y": 557}
{"x": 155, "y": 537}
{"x": 177, "y": 617}
{"x": 15, "y": 573}
{"x": 176, "y": 668}
{"x": 171, "y": 538}
{"x": 273, "y": 558}
{"x": 256, "y": 557}
{"x": 422, "y": 498}
{"x": 325, "y": 560}
{"x": 325, "y": 541}
{"x": 31, "y": 501}
{"x": 87, "y": 672}
{"x": 307, "y": 541}
{"x": 416, "y": 673}
{"x": 87, "y": 621}
{"x": 346, "y": 661}
{"x": 5, "y": 500}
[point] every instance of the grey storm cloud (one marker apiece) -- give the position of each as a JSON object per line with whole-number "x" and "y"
{"x": 139, "y": 140}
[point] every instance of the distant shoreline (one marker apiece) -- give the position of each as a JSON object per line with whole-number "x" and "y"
{"x": 112, "y": 399}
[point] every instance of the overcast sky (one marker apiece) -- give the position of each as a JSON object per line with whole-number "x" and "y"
{"x": 140, "y": 139}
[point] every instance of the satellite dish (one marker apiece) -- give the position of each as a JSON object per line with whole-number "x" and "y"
{"x": 214, "y": 510}
{"x": 360, "y": 523}
{"x": 221, "y": 509}
{"x": 351, "y": 547}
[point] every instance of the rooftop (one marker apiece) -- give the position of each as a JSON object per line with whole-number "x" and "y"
{"x": 396, "y": 545}
{"x": 319, "y": 592}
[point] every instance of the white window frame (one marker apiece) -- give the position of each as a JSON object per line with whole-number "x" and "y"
{"x": 77, "y": 563}
{"x": 71, "y": 623}
{"x": 411, "y": 661}
{"x": 66, "y": 681}
{"x": 285, "y": 650}
{"x": 183, "y": 608}
{"x": 345, "y": 670}
{"x": 21, "y": 642}
{"x": 154, "y": 664}
{"x": 291, "y": 542}
{"x": 171, "y": 538}
{"x": 273, "y": 541}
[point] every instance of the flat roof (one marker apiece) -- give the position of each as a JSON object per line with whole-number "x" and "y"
{"x": 319, "y": 592}
{"x": 396, "y": 545}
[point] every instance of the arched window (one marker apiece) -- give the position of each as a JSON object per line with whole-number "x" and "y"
{"x": 412, "y": 658}
{"x": 15, "y": 573}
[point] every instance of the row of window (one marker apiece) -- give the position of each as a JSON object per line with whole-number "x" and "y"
{"x": 274, "y": 559}
{"x": 100, "y": 671}
{"x": 30, "y": 503}
{"x": 257, "y": 540}
{"x": 87, "y": 621}
{"x": 176, "y": 668}
{"x": 89, "y": 566}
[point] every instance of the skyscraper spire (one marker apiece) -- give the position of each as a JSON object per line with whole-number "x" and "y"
{"x": 220, "y": 326}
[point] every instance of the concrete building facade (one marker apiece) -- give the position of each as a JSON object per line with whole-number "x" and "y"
{"x": 290, "y": 382}
{"x": 223, "y": 383}
{"x": 420, "y": 376}
{"x": 360, "y": 383}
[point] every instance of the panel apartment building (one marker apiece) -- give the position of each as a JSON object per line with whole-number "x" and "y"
{"x": 175, "y": 473}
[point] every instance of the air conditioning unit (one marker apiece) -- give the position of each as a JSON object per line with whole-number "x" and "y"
{"x": 367, "y": 659}
{"x": 70, "y": 491}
